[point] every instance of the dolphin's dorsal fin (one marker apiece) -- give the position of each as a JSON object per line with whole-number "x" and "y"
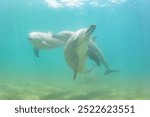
{"x": 36, "y": 52}
{"x": 50, "y": 34}
{"x": 57, "y": 36}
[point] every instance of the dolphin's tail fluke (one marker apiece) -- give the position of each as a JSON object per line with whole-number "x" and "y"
{"x": 111, "y": 71}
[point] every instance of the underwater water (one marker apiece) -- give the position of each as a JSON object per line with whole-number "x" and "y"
{"x": 122, "y": 33}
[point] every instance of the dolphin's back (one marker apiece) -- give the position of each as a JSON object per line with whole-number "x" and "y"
{"x": 64, "y": 35}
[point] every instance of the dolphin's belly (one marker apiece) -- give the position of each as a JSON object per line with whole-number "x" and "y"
{"x": 75, "y": 56}
{"x": 69, "y": 53}
{"x": 81, "y": 51}
{"x": 81, "y": 63}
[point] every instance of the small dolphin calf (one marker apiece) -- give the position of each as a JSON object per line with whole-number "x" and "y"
{"x": 76, "y": 50}
{"x": 44, "y": 41}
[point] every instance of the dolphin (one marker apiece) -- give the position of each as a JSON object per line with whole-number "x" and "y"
{"x": 50, "y": 40}
{"x": 76, "y": 48}
{"x": 65, "y": 35}
{"x": 44, "y": 41}
{"x": 94, "y": 52}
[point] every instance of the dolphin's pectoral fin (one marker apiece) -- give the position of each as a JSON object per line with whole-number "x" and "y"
{"x": 93, "y": 56}
{"x": 36, "y": 52}
{"x": 75, "y": 62}
{"x": 74, "y": 75}
{"x": 108, "y": 71}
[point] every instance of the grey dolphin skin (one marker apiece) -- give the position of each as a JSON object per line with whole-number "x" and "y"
{"x": 50, "y": 40}
{"x": 76, "y": 50}
{"x": 65, "y": 35}
{"x": 42, "y": 40}
{"x": 94, "y": 52}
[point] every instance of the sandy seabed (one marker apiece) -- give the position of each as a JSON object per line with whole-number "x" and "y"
{"x": 116, "y": 88}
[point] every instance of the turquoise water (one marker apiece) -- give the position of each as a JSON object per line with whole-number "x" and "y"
{"x": 123, "y": 34}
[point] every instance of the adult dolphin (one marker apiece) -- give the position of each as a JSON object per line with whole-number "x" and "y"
{"x": 93, "y": 52}
{"x": 65, "y": 35}
{"x": 76, "y": 50}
